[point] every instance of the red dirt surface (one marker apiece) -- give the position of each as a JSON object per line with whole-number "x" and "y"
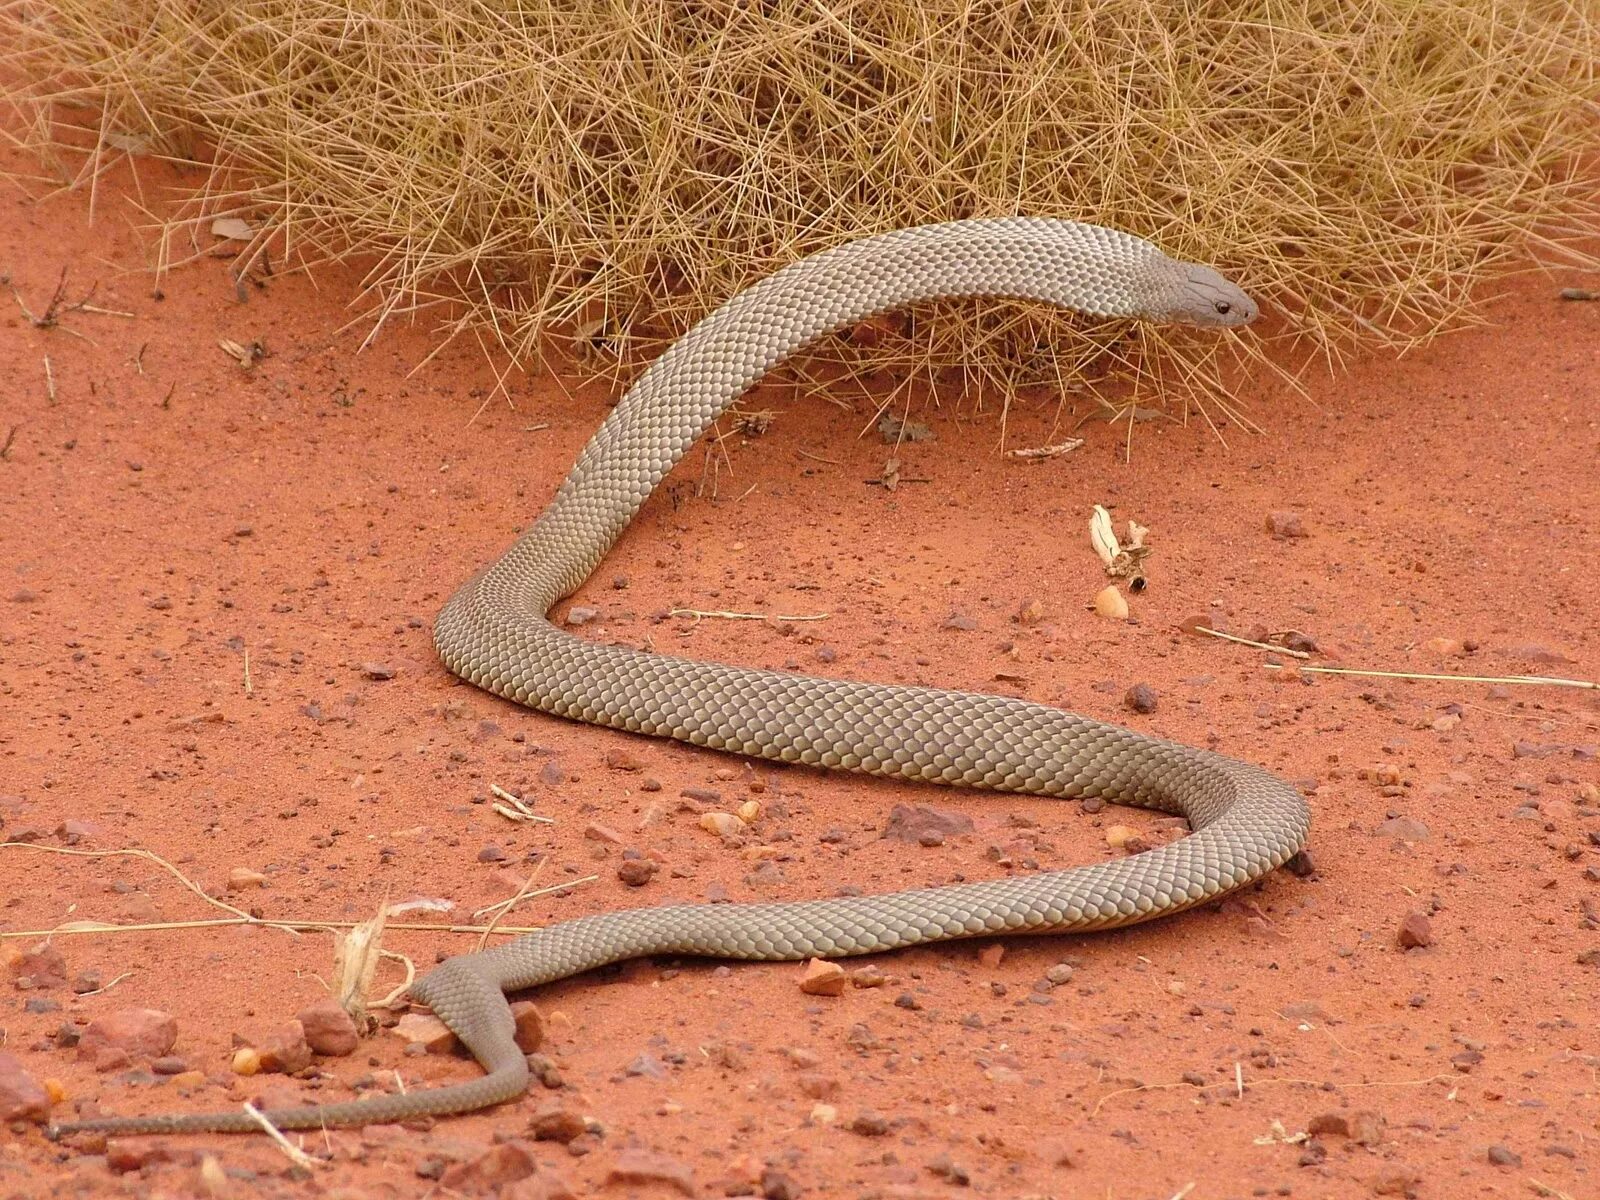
{"x": 165, "y": 513}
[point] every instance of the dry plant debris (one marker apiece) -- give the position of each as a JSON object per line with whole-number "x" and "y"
{"x": 612, "y": 173}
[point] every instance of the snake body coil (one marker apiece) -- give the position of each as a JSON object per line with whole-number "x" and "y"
{"x": 494, "y": 633}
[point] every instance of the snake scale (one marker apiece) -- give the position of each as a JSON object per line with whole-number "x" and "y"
{"x": 494, "y": 633}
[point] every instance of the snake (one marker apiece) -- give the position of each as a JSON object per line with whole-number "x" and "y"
{"x": 495, "y": 632}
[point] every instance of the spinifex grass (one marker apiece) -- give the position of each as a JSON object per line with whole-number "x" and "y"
{"x": 606, "y": 173}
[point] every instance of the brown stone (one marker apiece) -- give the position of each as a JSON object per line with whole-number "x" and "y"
{"x": 284, "y": 1049}
{"x": 547, "y": 1184}
{"x": 554, "y": 1121}
{"x": 823, "y": 978}
{"x": 39, "y": 966}
{"x": 648, "y": 1166}
{"x": 530, "y": 1026}
{"x": 502, "y": 1164}
{"x": 427, "y": 1031}
{"x": 22, "y": 1097}
{"x": 1415, "y": 932}
{"x": 130, "y": 1033}
{"x": 328, "y": 1028}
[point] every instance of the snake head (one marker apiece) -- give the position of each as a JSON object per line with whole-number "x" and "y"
{"x": 1203, "y": 297}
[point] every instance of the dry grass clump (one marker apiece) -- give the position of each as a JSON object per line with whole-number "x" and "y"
{"x": 609, "y": 172}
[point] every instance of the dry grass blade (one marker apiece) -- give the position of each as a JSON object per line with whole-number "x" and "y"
{"x": 356, "y": 954}
{"x": 610, "y": 173}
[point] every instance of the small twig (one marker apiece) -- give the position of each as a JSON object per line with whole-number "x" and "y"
{"x": 1228, "y": 637}
{"x": 1545, "y": 680}
{"x": 1183, "y": 1191}
{"x": 249, "y": 688}
{"x": 1036, "y": 453}
{"x": 1579, "y": 294}
{"x": 1238, "y": 1079}
{"x": 49, "y": 379}
{"x": 518, "y": 810}
{"x": 1544, "y": 1189}
{"x": 80, "y": 928}
{"x": 240, "y": 917}
{"x": 106, "y": 987}
{"x": 503, "y": 907}
{"x": 295, "y": 1155}
{"x": 1260, "y": 1083}
{"x": 698, "y": 613}
{"x": 549, "y": 889}
{"x": 11, "y": 436}
{"x": 832, "y": 462}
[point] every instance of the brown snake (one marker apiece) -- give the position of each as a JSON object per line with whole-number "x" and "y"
{"x": 495, "y": 634}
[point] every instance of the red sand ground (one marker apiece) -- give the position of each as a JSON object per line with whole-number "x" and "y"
{"x": 168, "y": 512}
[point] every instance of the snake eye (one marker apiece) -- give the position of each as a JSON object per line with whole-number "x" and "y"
{"x": 1224, "y": 308}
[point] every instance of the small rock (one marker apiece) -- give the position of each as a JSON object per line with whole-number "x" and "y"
{"x": 1140, "y": 698}
{"x": 284, "y": 1050}
{"x": 1415, "y": 931}
{"x": 1504, "y": 1156}
{"x": 910, "y": 822}
{"x": 125, "y": 1157}
{"x": 775, "y": 1185}
{"x": 557, "y": 1121}
{"x": 1301, "y": 864}
{"x": 620, "y": 758}
{"x": 869, "y": 1124}
{"x": 24, "y": 596}
{"x": 646, "y": 1066}
{"x": 39, "y": 967}
{"x": 243, "y": 878}
{"x": 648, "y": 1166}
{"x": 636, "y": 872}
{"x": 328, "y": 1028}
{"x": 427, "y": 1031}
{"x": 823, "y": 978}
{"x": 1362, "y": 1127}
{"x": 818, "y": 1086}
{"x": 130, "y": 1033}
{"x": 547, "y": 1184}
{"x": 1403, "y": 829}
{"x": 1282, "y": 523}
{"x": 1122, "y": 837}
{"x": 493, "y": 854}
{"x": 1110, "y": 603}
{"x": 581, "y": 614}
{"x": 22, "y": 1097}
{"x": 502, "y": 1164}
{"x": 1030, "y": 612}
{"x": 1396, "y": 1181}
{"x": 959, "y": 621}
{"x": 373, "y": 670}
{"x": 1059, "y": 974}
{"x": 596, "y": 832}
{"x": 722, "y": 824}
{"x": 530, "y": 1026}
{"x": 949, "y": 1171}
{"x": 87, "y": 982}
